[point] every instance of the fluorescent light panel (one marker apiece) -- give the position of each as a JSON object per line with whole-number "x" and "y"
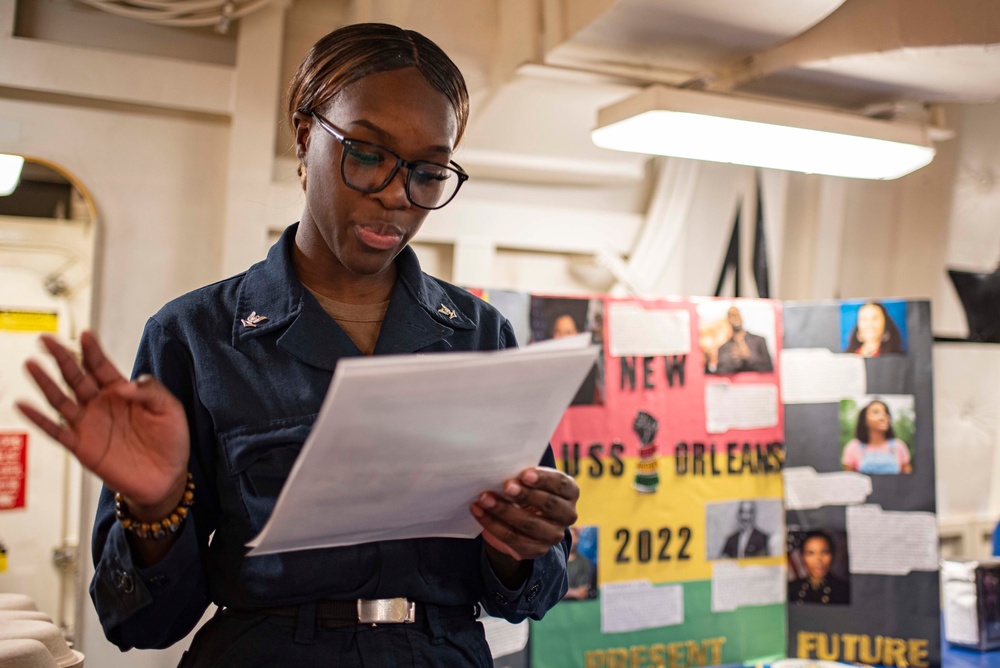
{"x": 720, "y": 128}
{"x": 10, "y": 173}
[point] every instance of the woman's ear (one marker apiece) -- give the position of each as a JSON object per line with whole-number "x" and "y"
{"x": 301, "y": 125}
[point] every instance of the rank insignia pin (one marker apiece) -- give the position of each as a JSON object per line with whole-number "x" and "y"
{"x": 448, "y": 312}
{"x": 253, "y": 319}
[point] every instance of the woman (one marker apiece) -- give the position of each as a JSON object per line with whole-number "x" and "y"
{"x": 580, "y": 571}
{"x": 875, "y": 333}
{"x": 875, "y": 450}
{"x": 229, "y": 378}
{"x": 819, "y": 585}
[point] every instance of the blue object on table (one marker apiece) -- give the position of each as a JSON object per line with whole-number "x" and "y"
{"x": 996, "y": 540}
{"x": 959, "y": 657}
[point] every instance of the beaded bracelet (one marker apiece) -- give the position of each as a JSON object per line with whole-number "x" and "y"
{"x": 156, "y": 530}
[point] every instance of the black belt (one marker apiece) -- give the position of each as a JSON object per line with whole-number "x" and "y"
{"x": 339, "y": 614}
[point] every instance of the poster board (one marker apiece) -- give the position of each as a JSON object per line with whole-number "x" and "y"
{"x": 667, "y": 440}
{"x": 873, "y": 504}
{"x": 676, "y": 441}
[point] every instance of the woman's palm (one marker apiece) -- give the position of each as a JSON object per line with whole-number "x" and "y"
{"x": 132, "y": 435}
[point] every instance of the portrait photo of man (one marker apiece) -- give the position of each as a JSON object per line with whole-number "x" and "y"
{"x": 747, "y": 541}
{"x": 743, "y": 351}
{"x": 736, "y": 337}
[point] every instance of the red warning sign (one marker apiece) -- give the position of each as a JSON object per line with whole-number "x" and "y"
{"x": 13, "y": 469}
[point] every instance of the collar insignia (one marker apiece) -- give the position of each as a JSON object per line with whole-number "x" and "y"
{"x": 253, "y": 319}
{"x": 448, "y": 312}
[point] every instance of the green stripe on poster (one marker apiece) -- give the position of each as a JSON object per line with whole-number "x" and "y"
{"x": 570, "y": 636}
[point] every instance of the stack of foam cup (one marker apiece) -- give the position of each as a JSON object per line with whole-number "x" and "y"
{"x": 11, "y": 601}
{"x": 25, "y": 653}
{"x": 37, "y": 615}
{"x": 47, "y": 634}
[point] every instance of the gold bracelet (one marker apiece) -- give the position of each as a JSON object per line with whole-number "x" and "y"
{"x": 156, "y": 530}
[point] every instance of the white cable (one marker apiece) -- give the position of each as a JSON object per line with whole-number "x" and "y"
{"x": 182, "y": 13}
{"x": 179, "y": 5}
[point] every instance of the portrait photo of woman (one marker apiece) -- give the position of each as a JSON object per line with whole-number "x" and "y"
{"x": 871, "y": 329}
{"x": 812, "y": 556}
{"x": 876, "y": 448}
{"x": 561, "y": 317}
{"x": 581, "y": 564}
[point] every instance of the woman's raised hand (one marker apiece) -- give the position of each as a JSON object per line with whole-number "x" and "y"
{"x": 132, "y": 435}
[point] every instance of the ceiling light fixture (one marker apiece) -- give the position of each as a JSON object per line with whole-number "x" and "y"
{"x": 743, "y": 131}
{"x": 10, "y": 173}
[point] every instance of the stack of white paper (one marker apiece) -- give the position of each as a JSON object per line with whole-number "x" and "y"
{"x": 403, "y": 444}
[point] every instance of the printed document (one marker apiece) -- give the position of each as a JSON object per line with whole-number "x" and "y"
{"x": 403, "y": 444}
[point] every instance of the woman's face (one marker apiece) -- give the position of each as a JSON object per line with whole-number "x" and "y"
{"x": 871, "y": 324}
{"x": 817, "y": 557}
{"x": 877, "y": 418}
{"x": 564, "y": 326}
{"x": 363, "y": 232}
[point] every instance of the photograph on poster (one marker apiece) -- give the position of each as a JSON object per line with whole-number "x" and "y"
{"x": 558, "y": 317}
{"x": 873, "y": 329}
{"x": 744, "y": 529}
{"x": 736, "y": 336}
{"x": 581, "y": 565}
{"x": 818, "y": 571}
{"x": 876, "y": 434}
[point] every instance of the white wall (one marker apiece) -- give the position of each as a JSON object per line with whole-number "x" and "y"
{"x": 973, "y": 235}
{"x": 160, "y": 217}
{"x": 159, "y": 212}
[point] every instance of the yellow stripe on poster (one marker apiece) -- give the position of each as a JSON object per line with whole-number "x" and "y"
{"x": 28, "y": 321}
{"x": 648, "y": 467}
{"x": 675, "y": 533}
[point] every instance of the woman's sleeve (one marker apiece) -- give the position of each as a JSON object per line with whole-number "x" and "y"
{"x": 851, "y": 458}
{"x": 544, "y": 587}
{"x": 548, "y": 581}
{"x": 152, "y": 608}
{"x": 903, "y": 453}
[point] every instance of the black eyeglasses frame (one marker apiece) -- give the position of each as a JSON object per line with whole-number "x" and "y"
{"x": 348, "y": 143}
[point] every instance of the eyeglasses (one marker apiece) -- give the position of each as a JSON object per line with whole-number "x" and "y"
{"x": 369, "y": 168}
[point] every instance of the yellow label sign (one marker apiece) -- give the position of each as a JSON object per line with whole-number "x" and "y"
{"x": 28, "y": 321}
{"x": 664, "y": 536}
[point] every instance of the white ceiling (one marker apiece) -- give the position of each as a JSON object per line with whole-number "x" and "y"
{"x": 539, "y": 70}
{"x": 690, "y": 35}
{"x": 960, "y": 73}
{"x": 861, "y": 56}
{"x": 852, "y": 54}
{"x": 926, "y": 50}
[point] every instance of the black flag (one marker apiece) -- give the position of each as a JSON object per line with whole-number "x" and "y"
{"x": 732, "y": 260}
{"x": 760, "y": 250}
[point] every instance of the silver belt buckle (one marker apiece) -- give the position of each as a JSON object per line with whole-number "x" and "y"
{"x": 386, "y": 611}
